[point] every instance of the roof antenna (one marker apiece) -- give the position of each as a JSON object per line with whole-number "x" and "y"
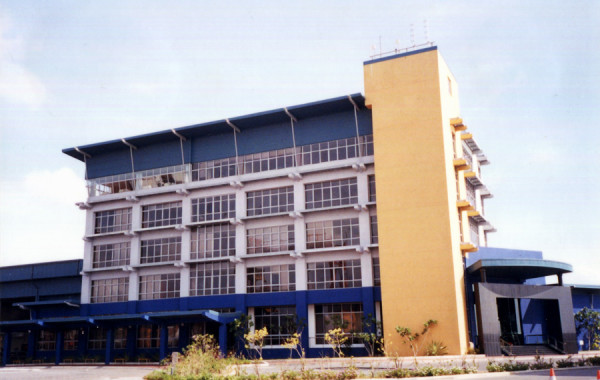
{"x": 426, "y": 27}
{"x": 412, "y": 34}
{"x": 379, "y": 44}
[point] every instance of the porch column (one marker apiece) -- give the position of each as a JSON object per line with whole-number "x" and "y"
{"x": 223, "y": 338}
{"x": 109, "y": 346}
{"x": 31, "y": 343}
{"x": 164, "y": 340}
{"x": 59, "y": 347}
{"x": 6, "y": 348}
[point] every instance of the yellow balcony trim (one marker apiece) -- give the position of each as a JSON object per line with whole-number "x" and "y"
{"x": 464, "y": 205}
{"x": 473, "y": 213}
{"x": 470, "y": 174}
{"x": 460, "y": 164}
{"x": 466, "y": 136}
{"x": 466, "y": 247}
{"x": 457, "y": 124}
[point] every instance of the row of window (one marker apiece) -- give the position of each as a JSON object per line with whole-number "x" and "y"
{"x": 252, "y": 163}
{"x": 219, "y": 278}
{"x": 218, "y": 240}
{"x": 280, "y": 321}
{"x": 221, "y": 207}
{"x": 148, "y": 336}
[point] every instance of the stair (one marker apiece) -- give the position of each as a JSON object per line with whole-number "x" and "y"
{"x": 528, "y": 350}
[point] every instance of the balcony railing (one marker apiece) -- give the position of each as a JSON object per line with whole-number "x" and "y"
{"x": 316, "y": 153}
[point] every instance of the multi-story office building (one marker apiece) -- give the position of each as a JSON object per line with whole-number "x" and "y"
{"x": 346, "y": 209}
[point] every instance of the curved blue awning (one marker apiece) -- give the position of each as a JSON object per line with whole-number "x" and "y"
{"x": 521, "y": 269}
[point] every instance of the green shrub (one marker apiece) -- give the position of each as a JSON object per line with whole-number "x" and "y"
{"x": 436, "y": 348}
{"x": 516, "y": 366}
{"x": 540, "y": 363}
{"x": 565, "y": 363}
{"x": 494, "y": 367}
{"x": 594, "y": 360}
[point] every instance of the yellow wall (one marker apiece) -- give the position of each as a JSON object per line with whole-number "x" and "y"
{"x": 419, "y": 242}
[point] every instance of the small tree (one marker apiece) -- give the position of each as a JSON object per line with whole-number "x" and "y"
{"x": 415, "y": 340}
{"x": 240, "y": 327}
{"x": 255, "y": 340}
{"x": 336, "y": 338}
{"x": 587, "y": 322}
{"x": 371, "y": 336}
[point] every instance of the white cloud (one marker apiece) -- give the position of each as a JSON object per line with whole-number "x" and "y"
{"x": 17, "y": 84}
{"x": 39, "y": 221}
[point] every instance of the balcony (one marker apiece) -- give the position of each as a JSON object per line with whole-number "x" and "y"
{"x": 457, "y": 124}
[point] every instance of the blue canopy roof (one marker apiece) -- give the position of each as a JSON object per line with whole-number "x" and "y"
{"x": 279, "y": 115}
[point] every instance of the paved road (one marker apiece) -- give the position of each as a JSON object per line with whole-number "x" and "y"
{"x": 138, "y": 372}
{"x": 75, "y": 372}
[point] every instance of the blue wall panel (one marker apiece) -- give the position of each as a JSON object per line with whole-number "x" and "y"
{"x": 330, "y": 127}
{"x": 533, "y": 320}
{"x": 114, "y": 162}
{"x": 213, "y": 147}
{"x": 271, "y": 137}
{"x": 158, "y": 155}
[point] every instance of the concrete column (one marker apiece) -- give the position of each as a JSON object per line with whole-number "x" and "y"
{"x": 240, "y": 278}
{"x": 366, "y": 269}
{"x": 301, "y": 279}
{"x": 86, "y": 287}
{"x": 133, "y": 286}
{"x": 184, "y": 289}
{"x": 362, "y": 183}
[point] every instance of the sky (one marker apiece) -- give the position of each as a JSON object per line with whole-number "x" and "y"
{"x": 79, "y": 72}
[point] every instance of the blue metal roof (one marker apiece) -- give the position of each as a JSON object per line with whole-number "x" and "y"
{"x": 302, "y": 111}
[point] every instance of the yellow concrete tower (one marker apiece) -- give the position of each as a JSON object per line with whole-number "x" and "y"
{"x": 414, "y": 99}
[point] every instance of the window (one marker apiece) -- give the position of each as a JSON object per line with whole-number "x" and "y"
{"x": 110, "y": 290}
{"x": 272, "y": 201}
{"x": 96, "y": 338}
{"x": 160, "y": 250}
{"x": 274, "y": 278}
{"x": 276, "y": 159}
{"x": 173, "y": 336}
{"x": 271, "y": 160}
{"x": 280, "y": 322}
{"x": 112, "y": 221}
{"x": 374, "y": 232}
{"x": 372, "y": 190}
{"x": 148, "y": 336}
{"x": 348, "y": 316}
{"x": 331, "y": 193}
{"x": 120, "y": 341}
{"x": 474, "y": 231}
{"x": 332, "y": 233}
{"x": 157, "y": 286}
{"x": 337, "y": 150}
{"x": 270, "y": 239}
{"x": 161, "y": 215}
{"x": 212, "y": 278}
{"x": 376, "y": 272}
{"x": 70, "y": 340}
{"x": 111, "y": 255}
{"x": 218, "y": 207}
{"x": 213, "y": 241}
{"x": 201, "y": 171}
{"x": 46, "y": 340}
{"x": 334, "y": 274}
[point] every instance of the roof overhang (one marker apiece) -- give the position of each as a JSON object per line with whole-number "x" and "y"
{"x": 519, "y": 268}
{"x": 276, "y": 116}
